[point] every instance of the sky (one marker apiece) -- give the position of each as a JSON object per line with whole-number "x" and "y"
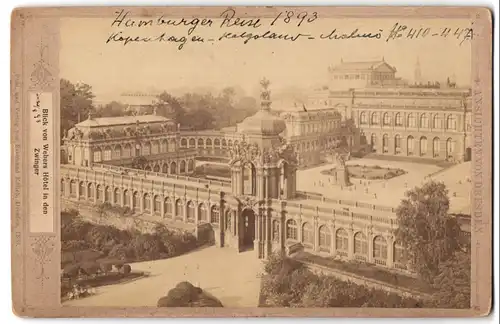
{"x": 111, "y": 68}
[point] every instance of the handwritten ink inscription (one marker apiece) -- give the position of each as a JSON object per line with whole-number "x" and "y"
{"x": 229, "y": 26}
{"x": 41, "y": 175}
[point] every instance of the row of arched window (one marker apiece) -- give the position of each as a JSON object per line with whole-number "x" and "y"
{"x": 323, "y": 126}
{"x": 360, "y": 248}
{"x": 423, "y": 148}
{"x": 131, "y": 150}
{"x": 217, "y": 143}
{"x": 132, "y": 199}
{"x": 411, "y": 120}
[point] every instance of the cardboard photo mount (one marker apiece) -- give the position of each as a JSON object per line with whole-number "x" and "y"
{"x": 35, "y": 118}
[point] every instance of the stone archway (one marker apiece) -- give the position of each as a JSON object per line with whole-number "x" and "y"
{"x": 247, "y": 228}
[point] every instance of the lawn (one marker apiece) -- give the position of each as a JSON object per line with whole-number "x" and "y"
{"x": 366, "y": 270}
{"x": 373, "y": 172}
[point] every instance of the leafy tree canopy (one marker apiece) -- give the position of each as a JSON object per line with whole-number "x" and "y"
{"x": 429, "y": 235}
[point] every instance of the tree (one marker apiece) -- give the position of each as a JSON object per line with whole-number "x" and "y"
{"x": 168, "y": 106}
{"x": 429, "y": 235}
{"x": 453, "y": 282}
{"x": 76, "y": 103}
{"x": 112, "y": 109}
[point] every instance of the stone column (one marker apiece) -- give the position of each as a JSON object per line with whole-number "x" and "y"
{"x": 162, "y": 206}
{"x": 141, "y": 202}
{"x": 350, "y": 245}
{"x": 152, "y": 204}
{"x": 316, "y": 234}
{"x": 196, "y": 214}
{"x": 370, "y": 246}
{"x": 333, "y": 242}
{"x": 390, "y": 251}
{"x": 184, "y": 211}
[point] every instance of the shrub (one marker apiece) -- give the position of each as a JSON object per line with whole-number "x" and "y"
{"x": 105, "y": 267}
{"x": 126, "y": 269}
{"x": 187, "y": 295}
{"x": 90, "y": 268}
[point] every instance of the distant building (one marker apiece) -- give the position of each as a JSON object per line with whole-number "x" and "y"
{"x": 394, "y": 118}
{"x": 138, "y": 102}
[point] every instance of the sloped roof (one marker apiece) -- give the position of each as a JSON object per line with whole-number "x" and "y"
{"x": 361, "y": 66}
{"x": 122, "y": 120}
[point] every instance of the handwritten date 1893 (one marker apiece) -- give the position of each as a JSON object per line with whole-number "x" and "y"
{"x": 298, "y": 18}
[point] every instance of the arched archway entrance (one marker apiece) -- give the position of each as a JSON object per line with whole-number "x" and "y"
{"x": 247, "y": 229}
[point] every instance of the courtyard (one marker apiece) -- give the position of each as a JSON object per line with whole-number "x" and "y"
{"x": 231, "y": 277}
{"x": 389, "y": 192}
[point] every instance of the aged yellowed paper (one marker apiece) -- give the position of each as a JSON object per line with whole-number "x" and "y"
{"x": 251, "y": 161}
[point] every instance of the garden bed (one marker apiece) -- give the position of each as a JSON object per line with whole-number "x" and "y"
{"x": 369, "y": 172}
{"x": 366, "y": 270}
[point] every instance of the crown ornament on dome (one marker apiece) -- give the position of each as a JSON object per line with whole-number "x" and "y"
{"x": 265, "y": 94}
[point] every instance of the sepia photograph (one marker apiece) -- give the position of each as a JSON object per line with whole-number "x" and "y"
{"x": 274, "y": 161}
{"x": 264, "y": 176}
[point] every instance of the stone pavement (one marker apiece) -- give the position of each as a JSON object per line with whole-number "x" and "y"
{"x": 231, "y": 277}
{"x": 390, "y": 192}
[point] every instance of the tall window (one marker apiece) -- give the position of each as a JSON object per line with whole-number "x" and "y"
{"x": 360, "y": 244}
{"x": 397, "y": 144}
{"x": 116, "y": 196}
{"x": 155, "y": 148}
{"x": 342, "y": 240}
{"x": 157, "y": 204}
{"x": 97, "y": 155}
{"x": 380, "y": 248}
{"x": 117, "y": 152}
{"x": 146, "y": 149}
{"x": 126, "y": 198}
{"x": 399, "y": 119}
{"x": 436, "y": 122}
{"x": 362, "y": 118}
{"x": 136, "y": 200}
{"x": 147, "y": 203}
{"x": 164, "y": 146}
{"x": 307, "y": 234}
{"x": 410, "y": 145}
{"x": 99, "y": 193}
{"x": 411, "y": 121}
{"x": 450, "y": 147}
{"x": 325, "y": 238}
{"x": 178, "y": 209}
{"x": 107, "y": 194}
{"x": 435, "y": 147}
{"x": 385, "y": 143}
{"x": 202, "y": 213}
{"x": 167, "y": 207}
{"x": 190, "y": 212}
{"x": 423, "y": 145}
{"x": 214, "y": 214}
{"x": 107, "y": 153}
{"x": 72, "y": 188}
{"x": 424, "y": 121}
{"x": 127, "y": 150}
{"x": 291, "y": 229}
{"x": 375, "y": 118}
{"x": 387, "y": 119}
{"x": 451, "y": 122}
{"x": 81, "y": 188}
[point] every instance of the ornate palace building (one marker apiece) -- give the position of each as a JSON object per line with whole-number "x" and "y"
{"x": 421, "y": 120}
{"x": 259, "y": 207}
